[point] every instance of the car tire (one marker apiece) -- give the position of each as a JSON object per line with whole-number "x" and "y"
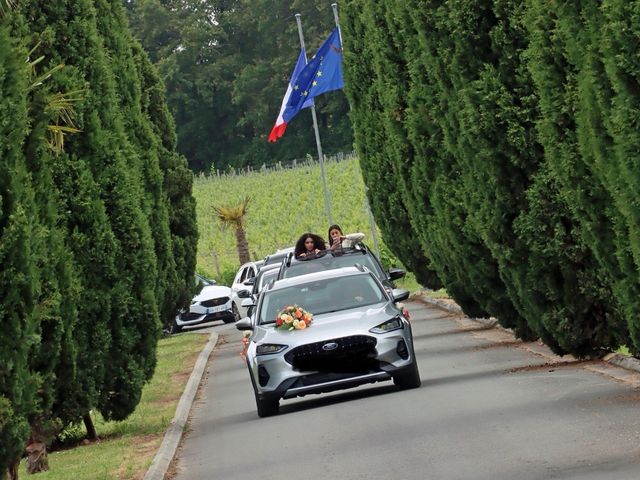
{"x": 236, "y": 313}
{"x": 264, "y": 407}
{"x": 267, "y": 407}
{"x": 408, "y": 379}
{"x": 174, "y": 328}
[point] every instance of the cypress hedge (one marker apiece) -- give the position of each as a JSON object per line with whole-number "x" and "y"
{"x": 384, "y": 196}
{"x": 507, "y": 132}
{"x": 177, "y": 185}
{"x": 583, "y": 234}
{"x": 97, "y": 229}
{"x": 123, "y": 54}
{"x": 134, "y": 319}
{"x": 18, "y": 269}
{"x": 53, "y": 357}
{"x": 614, "y": 92}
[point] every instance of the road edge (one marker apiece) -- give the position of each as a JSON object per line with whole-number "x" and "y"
{"x": 628, "y": 363}
{"x": 160, "y": 464}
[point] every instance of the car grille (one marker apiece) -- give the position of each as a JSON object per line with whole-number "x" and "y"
{"x": 188, "y": 316}
{"x": 214, "y": 302}
{"x": 351, "y": 354}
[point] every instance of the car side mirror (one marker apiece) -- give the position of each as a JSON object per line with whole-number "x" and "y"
{"x": 248, "y": 302}
{"x": 244, "y": 324}
{"x": 396, "y": 273}
{"x": 399, "y": 294}
{"x": 249, "y": 281}
{"x": 244, "y": 294}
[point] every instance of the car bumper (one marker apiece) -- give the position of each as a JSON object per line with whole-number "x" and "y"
{"x": 196, "y": 319}
{"x": 275, "y": 378}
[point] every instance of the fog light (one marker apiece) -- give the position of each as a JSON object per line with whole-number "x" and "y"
{"x": 263, "y": 376}
{"x": 402, "y": 350}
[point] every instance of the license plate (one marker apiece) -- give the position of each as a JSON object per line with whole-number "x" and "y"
{"x": 220, "y": 308}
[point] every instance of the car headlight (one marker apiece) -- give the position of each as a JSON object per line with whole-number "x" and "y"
{"x": 390, "y": 325}
{"x": 270, "y": 348}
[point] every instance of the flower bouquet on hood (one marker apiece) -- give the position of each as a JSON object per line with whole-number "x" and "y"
{"x": 293, "y": 317}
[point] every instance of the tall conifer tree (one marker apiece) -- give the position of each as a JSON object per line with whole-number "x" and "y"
{"x": 177, "y": 181}
{"x": 53, "y": 357}
{"x": 18, "y": 271}
{"x": 377, "y": 169}
{"x": 123, "y": 54}
{"x": 69, "y": 35}
{"x": 584, "y": 237}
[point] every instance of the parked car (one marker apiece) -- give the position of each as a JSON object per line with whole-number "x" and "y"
{"x": 277, "y": 257}
{"x": 246, "y": 273}
{"x": 256, "y": 284}
{"x": 358, "y": 335}
{"x": 359, "y": 254}
{"x": 213, "y": 302}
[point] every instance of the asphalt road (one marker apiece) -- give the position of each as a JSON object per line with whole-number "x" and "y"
{"x": 488, "y": 408}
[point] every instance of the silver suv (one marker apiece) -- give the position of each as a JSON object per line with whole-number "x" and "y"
{"x": 358, "y": 335}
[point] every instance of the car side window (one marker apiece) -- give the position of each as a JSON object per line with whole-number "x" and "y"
{"x": 240, "y": 276}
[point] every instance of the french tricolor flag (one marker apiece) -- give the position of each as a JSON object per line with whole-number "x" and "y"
{"x": 278, "y": 129}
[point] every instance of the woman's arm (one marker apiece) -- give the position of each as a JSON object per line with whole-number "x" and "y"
{"x": 354, "y": 237}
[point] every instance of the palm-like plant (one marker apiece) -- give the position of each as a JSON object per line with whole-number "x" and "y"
{"x": 58, "y": 106}
{"x": 235, "y": 217}
{"x": 6, "y": 5}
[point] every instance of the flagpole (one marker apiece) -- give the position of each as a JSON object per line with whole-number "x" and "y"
{"x": 334, "y": 6}
{"x": 327, "y": 203}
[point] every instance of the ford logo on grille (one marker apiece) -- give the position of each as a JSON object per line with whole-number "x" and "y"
{"x": 330, "y": 346}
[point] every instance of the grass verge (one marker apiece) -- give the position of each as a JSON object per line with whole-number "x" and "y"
{"x": 127, "y": 448}
{"x": 442, "y": 293}
{"x": 408, "y": 282}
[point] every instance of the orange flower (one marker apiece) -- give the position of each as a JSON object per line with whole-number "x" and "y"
{"x": 290, "y": 317}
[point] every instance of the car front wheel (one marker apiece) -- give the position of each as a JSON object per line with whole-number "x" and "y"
{"x": 235, "y": 315}
{"x": 174, "y": 328}
{"x": 267, "y": 407}
{"x": 409, "y": 378}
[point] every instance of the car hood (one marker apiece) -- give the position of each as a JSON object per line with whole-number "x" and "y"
{"x": 212, "y": 291}
{"x": 356, "y": 321}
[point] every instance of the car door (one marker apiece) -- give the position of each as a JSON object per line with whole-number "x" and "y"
{"x": 245, "y": 272}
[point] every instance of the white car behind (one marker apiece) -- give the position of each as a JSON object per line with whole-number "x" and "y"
{"x": 212, "y": 303}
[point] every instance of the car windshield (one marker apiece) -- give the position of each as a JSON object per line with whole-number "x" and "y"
{"x": 323, "y": 296}
{"x": 202, "y": 280}
{"x": 330, "y": 261}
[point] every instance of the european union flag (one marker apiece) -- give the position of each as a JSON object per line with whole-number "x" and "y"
{"x": 322, "y": 74}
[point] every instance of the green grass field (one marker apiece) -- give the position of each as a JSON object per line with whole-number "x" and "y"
{"x": 284, "y": 204}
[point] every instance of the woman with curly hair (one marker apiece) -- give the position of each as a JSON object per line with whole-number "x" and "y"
{"x": 309, "y": 244}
